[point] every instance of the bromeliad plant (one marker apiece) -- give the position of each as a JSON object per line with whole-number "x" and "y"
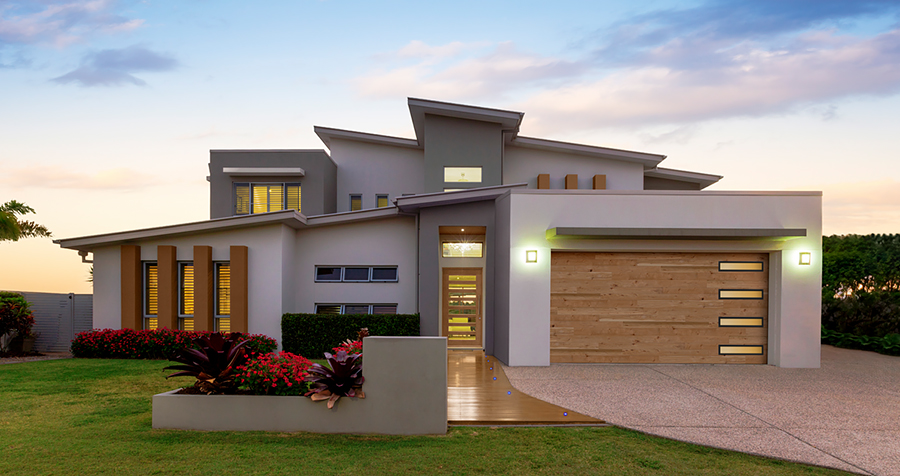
{"x": 341, "y": 376}
{"x": 215, "y": 363}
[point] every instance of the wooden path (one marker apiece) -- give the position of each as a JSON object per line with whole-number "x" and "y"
{"x": 478, "y": 393}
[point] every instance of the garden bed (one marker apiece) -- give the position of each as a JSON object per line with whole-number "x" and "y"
{"x": 406, "y": 394}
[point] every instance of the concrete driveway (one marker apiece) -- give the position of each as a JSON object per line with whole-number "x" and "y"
{"x": 844, "y": 415}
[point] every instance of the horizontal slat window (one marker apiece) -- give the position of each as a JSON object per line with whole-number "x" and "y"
{"x": 740, "y": 266}
{"x": 223, "y": 289}
{"x": 740, "y": 294}
{"x": 740, "y": 350}
{"x": 356, "y": 309}
{"x": 384, "y": 309}
{"x": 266, "y": 197}
{"x": 740, "y": 322}
{"x": 328, "y": 309}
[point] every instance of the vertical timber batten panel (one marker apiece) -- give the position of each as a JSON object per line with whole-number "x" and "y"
{"x": 167, "y": 269}
{"x": 203, "y": 289}
{"x": 132, "y": 291}
{"x": 240, "y": 303}
{"x": 652, "y": 307}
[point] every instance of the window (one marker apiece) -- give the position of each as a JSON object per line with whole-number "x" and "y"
{"x": 186, "y": 296}
{"x": 356, "y": 309}
{"x": 381, "y": 201}
{"x": 265, "y": 197}
{"x": 462, "y": 174}
{"x": 355, "y": 202}
{"x": 356, "y": 274}
{"x": 223, "y": 297}
{"x": 151, "y": 295}
{"x": 462, "y": 250}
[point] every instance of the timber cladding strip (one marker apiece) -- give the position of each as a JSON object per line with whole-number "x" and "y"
{"x": 655, "y": 308}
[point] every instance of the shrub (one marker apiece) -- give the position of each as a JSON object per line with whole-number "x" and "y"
{"x": 864, "y": 313}
{"x": 149, "y": 344}
{"x": 350, "y": 347}
{"x": 214, "y": 363}
{"x": 275, "y": 374}
{"x": 15, "y": 314}
{"x": 889, "y": 344}
{"x": 312, "y": 335}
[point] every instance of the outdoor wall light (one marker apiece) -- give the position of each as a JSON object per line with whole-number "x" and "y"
{"x": 531, "y": 256}
{"x": 805, "y": 258}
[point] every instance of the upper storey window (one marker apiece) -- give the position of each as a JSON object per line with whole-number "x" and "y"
{"x": 265, "y": 197}
{"x": 462, "y": 174}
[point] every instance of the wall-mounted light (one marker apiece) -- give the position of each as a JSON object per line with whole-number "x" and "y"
{"x": 805, "y": 258}
{"x": 531, "y": 256}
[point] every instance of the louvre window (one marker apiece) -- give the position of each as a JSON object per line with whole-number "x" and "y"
{"x": 356, "y": 309}
{"x": 356, "y": 274}
{"x": 223, "y": 297}
{"x": 381, "y": 201}
{"x": 186, "y": 296}
{"x": 266, "y": 197}
{"x": 355, "y": 202}
{"x": 151, "y": 295}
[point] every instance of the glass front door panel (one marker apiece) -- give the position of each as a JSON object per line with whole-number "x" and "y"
{"x": 462, "y": 312}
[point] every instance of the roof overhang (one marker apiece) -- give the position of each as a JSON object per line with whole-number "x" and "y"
{"x": 608, "y": 233}
{"x": 412, "y": 203}
{"x": 508, "y": 120}
{"x": 288, "y": 218}
{"x": 326, "y": 134}
{"x": 260, "y": 171}
{"x": 649, "y": 161}
{"x": 704, "y": 180}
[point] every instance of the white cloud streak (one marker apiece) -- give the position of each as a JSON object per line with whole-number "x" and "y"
{"x": 59, "y": 23}
{"x": 56, "y": 178}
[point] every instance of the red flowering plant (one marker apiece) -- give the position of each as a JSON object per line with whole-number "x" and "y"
{"x": 275, "y": 374}
{"x": 353, "y": 347}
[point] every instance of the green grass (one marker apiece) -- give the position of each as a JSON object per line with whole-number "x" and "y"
{"x": 93, "y": 417}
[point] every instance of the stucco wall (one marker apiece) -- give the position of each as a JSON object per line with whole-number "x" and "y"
{"x": 387, "y": 242}
{"x": 370, "y": 169}
{"x": 795, "y": 306}
{"x": 317, "y": 187}
{"x": 521, "y": 164}
{"x": 450, "y": 141}
{"x": 107, "y": 287}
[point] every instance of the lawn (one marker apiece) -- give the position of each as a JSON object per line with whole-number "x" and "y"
{"x": 82, "y": 416}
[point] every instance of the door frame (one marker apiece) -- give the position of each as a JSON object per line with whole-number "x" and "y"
{"x": 479, "y": 304}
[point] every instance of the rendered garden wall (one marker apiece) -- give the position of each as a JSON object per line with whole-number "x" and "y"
{"x": 406, "y": 394}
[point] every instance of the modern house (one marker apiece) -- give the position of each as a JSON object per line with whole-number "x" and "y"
{"x": 535, "y": 250}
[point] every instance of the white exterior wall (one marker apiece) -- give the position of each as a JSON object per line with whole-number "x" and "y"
{"x": 795, "y": 290}
{"x": 370, "y": 169}
{"x": 385, "y": 242}
{"x": 107, "y": 287}
{"x": 522, "y": 164}
{"x": 267, "y": 288}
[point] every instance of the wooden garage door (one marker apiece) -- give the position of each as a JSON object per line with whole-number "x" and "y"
{"x": 659, "y": 307}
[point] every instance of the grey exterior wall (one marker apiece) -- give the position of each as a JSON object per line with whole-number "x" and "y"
{"x": 523, "y": 165}
{"x": 655, "y": 183}
{"x": 465, "y": 214}
{"x": 373, "y": 169}
{"x": 501, "y": 279}
{"x": 464, "y": 143}
{"x": 318, "y": 187}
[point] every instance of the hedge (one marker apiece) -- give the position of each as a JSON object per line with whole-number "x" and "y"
{"x": 148, "y": 344}
{"x": 889, "y": 344}
{"x": 311, "y": 335}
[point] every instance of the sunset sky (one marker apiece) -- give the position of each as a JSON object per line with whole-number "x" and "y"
{"x": 108, "y": 109}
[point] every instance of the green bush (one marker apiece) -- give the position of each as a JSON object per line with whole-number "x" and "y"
{"x": 865, "y": 313}
{"x": 889, "y": 344}
{"x": 15, "y": 315}
{"x": 148, "y": 344}
{"x": 311, "y": 335}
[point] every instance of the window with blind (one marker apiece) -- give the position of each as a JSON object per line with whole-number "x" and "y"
{"x": 266, "y": 197}
{"x": 223, "y": 297}
{"x": 381, "y": 201}
{"x": 151, "y": 295}
{"x": 356, "y": 309}
{"x": 186, "y": 296}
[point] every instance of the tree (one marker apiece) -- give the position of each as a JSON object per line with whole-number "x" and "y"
{"x": 12, "y": 228}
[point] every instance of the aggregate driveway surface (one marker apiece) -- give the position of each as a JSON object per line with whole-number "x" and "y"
{"x": 844, "y": 415}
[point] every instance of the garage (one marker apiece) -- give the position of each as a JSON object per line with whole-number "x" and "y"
{"x": 659, "y": 307}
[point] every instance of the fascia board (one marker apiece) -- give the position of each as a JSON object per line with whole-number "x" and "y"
{"x": 354, "y": 216}
{"x": 328, "y": 133}
{"x": 643, "y": 158}
{"x": 509, "y": 120}
{"x": 705, "y": 180}
{"x": 640, "y": 233}
{"x": 286, "y": 217}
{"x": 411, "y": 203}
{"x": 261, "y": 171}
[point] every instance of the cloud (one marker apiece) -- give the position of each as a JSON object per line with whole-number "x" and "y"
{"x": 59, "y": 23}
{"x": 453, "y": 71}
{"x": 55, "y": 178}
{"x": 756, "y": 83}
{"x": 679, "y": 135}
{"x": 861, "y": 207}
{"x": 114, "y": 67}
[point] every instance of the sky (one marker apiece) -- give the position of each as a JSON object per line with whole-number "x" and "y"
{"x": 108, "y": 109}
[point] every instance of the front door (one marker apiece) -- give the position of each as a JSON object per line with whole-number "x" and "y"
{"x": 461, "y": 310}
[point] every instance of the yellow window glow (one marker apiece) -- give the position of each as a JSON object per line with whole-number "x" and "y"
{"x": 462, "y": 250}
{"x": 462, "y": 174}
